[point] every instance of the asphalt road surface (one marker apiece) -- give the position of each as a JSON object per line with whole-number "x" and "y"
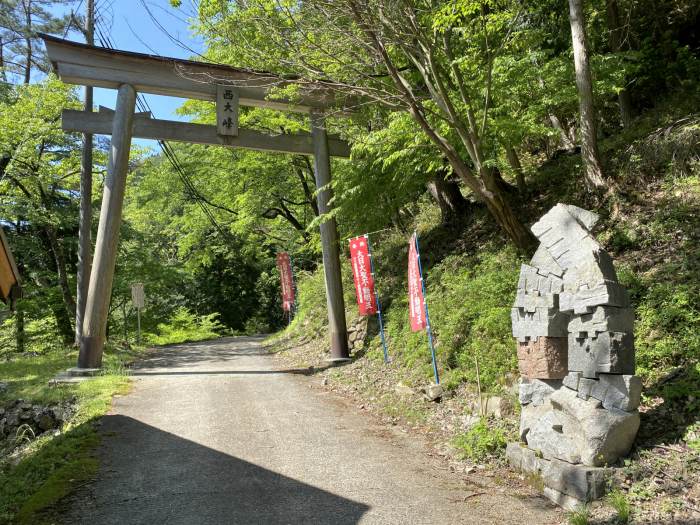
{"x": 214, "y": 433}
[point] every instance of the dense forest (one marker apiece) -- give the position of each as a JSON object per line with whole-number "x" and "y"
{"x": 470, "y": 120}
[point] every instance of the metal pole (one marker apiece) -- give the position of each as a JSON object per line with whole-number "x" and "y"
{"x": 85, "y": 221}
{"x": 329, "y": 242}
{"x": 427, "y": 316}
{"x": 376, "y": 296}
{"x": 104, "y": 261}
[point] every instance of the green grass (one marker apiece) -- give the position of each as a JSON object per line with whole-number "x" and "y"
{"x": 480, "y": 442}
{"x": 620, "y": 503}
{"x": 52, "y": 466}
{"x": 579, "y": 516}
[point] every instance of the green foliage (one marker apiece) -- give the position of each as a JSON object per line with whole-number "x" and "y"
{"x": 618, "y": 500}
{"x": 482, "y": 441}
{"x": 469, "y": 300}
{"x": 185, "y": 326}
{"x": 40, "y": 336}
{"x": 52, "y": 466}
{"x": 581, "y": 515}
{"x": 668, "y": 317}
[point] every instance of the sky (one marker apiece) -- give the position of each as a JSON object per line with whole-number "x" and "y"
{"x": 130, "y": 27}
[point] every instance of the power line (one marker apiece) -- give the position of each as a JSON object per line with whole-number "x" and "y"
{"x": 166, "y": 149}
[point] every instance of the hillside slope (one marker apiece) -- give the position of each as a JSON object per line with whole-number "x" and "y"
{"x": 651, "y": 227}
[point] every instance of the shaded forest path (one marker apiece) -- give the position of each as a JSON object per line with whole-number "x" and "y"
{"x": 214, "y": 433}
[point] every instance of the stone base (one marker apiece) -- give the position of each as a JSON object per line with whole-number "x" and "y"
{"x": 566, "y": 484}
{"x": 338, "y": 361}
{"x": 66, "y": 378}
{"x": 83, "y": 372}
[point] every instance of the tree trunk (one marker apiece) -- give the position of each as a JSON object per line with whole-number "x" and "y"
{"x": 85, "y": 222}
{"x": 20, "y": 335}
{"x": 490, "y": 193}
{"x": 616, "y": 44}
{"x": 63, "y": 322}
{"x": 59, "y": 259}
{"x": 2, "y": 61}
{"x": 517, "y": 168}
{"x": 28, "y": 39}
{"x": 448, "y": 197}
{"x": 563, "y": 135}
{"x": 589, "y": 140}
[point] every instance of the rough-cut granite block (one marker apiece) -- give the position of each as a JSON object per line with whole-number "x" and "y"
{"x": 590, "y": 270}
{"x": 537, "y": 391}
{"x": 532, "y": 280}
{"x": 531, "y": 301}
{"x": 549, "y": 322}
{"x": 543, "y": 358}
{"x": 622, "y": 392}
{"x": 587, "y": 298}
{"x": 587, "y": 218}
{"x": 609, "y": 352}
{"x": 545, "y": 263}
{"x": 529, "y": 416}
{"x": 601, "y": 436}
{"x": 603, "y": 319}
{"x": 571, "y": 380}
{"x": 576, "y": 481}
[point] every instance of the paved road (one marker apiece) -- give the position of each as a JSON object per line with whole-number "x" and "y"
{"x": 214, "y": 434}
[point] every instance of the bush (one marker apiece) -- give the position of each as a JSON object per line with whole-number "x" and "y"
{"x": 480, "y": 442}
{"x": 185, "y": 326}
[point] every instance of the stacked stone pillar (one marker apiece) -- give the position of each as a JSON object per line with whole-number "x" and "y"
{"x": 578, "y": 391}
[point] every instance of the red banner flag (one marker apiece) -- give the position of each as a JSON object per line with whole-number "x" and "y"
{"x": 416, "y": 300}
{"x": 284, "y": 265}
{"x": 362, "y": 275}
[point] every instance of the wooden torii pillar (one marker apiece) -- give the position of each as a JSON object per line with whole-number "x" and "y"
{"x": 130, "y": 73}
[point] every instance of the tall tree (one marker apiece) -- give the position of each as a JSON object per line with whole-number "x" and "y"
{"x": 20, "y": 21}
{"x": 589, "y": 140}
{"x": 436, "y": 62}
{"x": 617, "y": 42}
{"x": 38, "y": 182}
{"x": 85, "y": 222}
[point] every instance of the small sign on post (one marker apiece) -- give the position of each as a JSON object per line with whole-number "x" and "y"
{"x": 138, "y": 297}
{"x": 226, "y": 110}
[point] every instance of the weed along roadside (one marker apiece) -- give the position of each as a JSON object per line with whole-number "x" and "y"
{"x": 44, "y": 460}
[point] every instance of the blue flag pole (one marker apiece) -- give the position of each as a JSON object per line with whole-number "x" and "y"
{"x": 376, "y": 296}
{"x": 427, "y": 316}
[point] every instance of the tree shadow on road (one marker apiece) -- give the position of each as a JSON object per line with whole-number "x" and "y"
{"x": 151, "y": 476}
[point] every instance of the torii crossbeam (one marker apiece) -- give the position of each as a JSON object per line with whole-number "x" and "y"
{"x": 130, "y": 73}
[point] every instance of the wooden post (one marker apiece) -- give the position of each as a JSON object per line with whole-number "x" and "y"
{"x": 329, "y": 241}
{"x": 104, "y": 261}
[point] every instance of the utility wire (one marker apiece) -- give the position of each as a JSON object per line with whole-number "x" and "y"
{"x": 166, "y": 149}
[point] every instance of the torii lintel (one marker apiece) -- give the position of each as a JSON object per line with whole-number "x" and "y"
{"x": 87, "y": 65}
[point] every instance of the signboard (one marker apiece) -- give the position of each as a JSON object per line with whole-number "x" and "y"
{"x": 138, "y": 295}
{"x": 362, "y": 275}
{"x": 9, "y": 275}
{"x": 284, "y": 265}
{"x": 226, "y": 110}
{"x": 416, "y": 300}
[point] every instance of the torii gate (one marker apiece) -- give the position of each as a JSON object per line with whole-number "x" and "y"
{"x": 130, "y": 73}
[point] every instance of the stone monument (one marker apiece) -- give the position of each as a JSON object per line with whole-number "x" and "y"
{"x": 574, "y": 326}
